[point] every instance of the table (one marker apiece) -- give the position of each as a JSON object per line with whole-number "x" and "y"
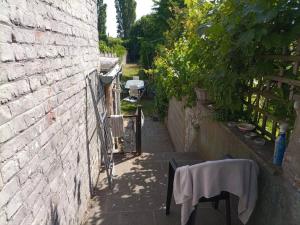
{"x": 139, "y": 83}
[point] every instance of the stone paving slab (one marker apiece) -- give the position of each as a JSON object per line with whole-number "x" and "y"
{"x": 155, "y": 137}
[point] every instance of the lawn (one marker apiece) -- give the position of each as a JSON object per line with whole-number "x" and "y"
{"x": 130, "y": 70}
{"x": 128, "y": 108}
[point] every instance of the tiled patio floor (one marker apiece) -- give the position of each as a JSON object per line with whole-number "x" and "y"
{"x": 140, "y": 186}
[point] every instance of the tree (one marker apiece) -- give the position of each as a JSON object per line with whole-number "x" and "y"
{"x": 164, "y": 11}
{"x": 152, "y": 31}
{"x": 101, "y": 9}
{"x": 142, "y": 41}
{"x": 125, "y": 16}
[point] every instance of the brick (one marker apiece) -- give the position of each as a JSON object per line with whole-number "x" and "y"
{"x": 41, "y": 95}
{"x": 21, "y": 105}
{"x": 28, "y": 219}
{"x": 19, "y": 3}
{"x": 37, "y": 205}
{"x": 29, "y": 19}
{"x": 47, "y": 153}
{"x": 13, "y": 205}
{"x": 23, "y": 36}
{"x": 35, "y": 67}
{"x": 8, "y": 92}
{"x": 47, "y": 24}
{"x": 4, "y": 12}
{"x": 55, "y": 171}
{"x": 5, "y": 114}
{"x": 51, "y": 51}
{"x": 1, "y": 182}
{"x": 8, "y": 170}
{"x": 23, "y": 157}
{"x": 8, "y": 191}
{"x": 42, "y": 38}
{"x": 3, "y": 76}
{"x": 10, "y": 148}
{"x": 5, "y": 33}
{"x": 34, "y": 82}
{"x": 41, "y": 52}
{"x": 19, "y": 216}
{"x": 41, "y": 217}
{"x": 31, "y": 52}
{"x": 3, "y": 219}
{"x": 19, "y": 52}
{"x": 11, "y": 71}
{"x": 15, "y": 14}
{"x": 6, "y": 53}
{"x": 22, "y": 86}
{"x": 18, "y": 124}
{"x": 13, "y": 90}
{"x": 55, "y": 185}
{"x": 33, "y": 115}
{"x": 31, "y": 171}
{"x": 36, "y": 194}
{"x": 30, "y": 185}
{"x": 6, "y": 132}
{"x": 23, "y": 177}
{"x": 47, "y": 195}
{"x": 52, "y": 103}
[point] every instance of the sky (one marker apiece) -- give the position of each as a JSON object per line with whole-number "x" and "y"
{"x": 143, "y": 7}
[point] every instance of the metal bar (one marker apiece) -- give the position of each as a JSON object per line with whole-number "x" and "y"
{"x": 130, "y": 116}
{"x": 228, "y": 213}
{"x": 139, "y": 130}
{"x": 108, "y": 163}
{"x": 172, "y": 169}
{"x": 127, "y": 116}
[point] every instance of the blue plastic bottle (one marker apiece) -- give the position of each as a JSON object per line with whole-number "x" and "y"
{"x": 280, "y": 145}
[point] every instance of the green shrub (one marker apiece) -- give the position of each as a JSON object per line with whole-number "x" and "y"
{"x": 221, "y": 50}
{"x": 112, "y": 45}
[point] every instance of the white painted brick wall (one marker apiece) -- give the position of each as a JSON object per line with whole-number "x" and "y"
{"x": 47, "y": 48}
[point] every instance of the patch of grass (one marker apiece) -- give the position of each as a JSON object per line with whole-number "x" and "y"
{"x": 128, "y": 108}
{"x": 147, "y": 104}
{"x": 130, "y": 70}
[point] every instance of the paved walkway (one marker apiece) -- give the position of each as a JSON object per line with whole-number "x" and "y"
{"x": 140, "y": 186}
{"x": 155, "y": 137}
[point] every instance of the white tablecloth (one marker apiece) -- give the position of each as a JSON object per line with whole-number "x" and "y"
{"x": 139, "y": 83}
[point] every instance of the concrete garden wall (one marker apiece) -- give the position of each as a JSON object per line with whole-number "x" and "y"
{"x": 278, "y": 201}
{"x": 49, "y": 152}
{"x": 180, "y": 125}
